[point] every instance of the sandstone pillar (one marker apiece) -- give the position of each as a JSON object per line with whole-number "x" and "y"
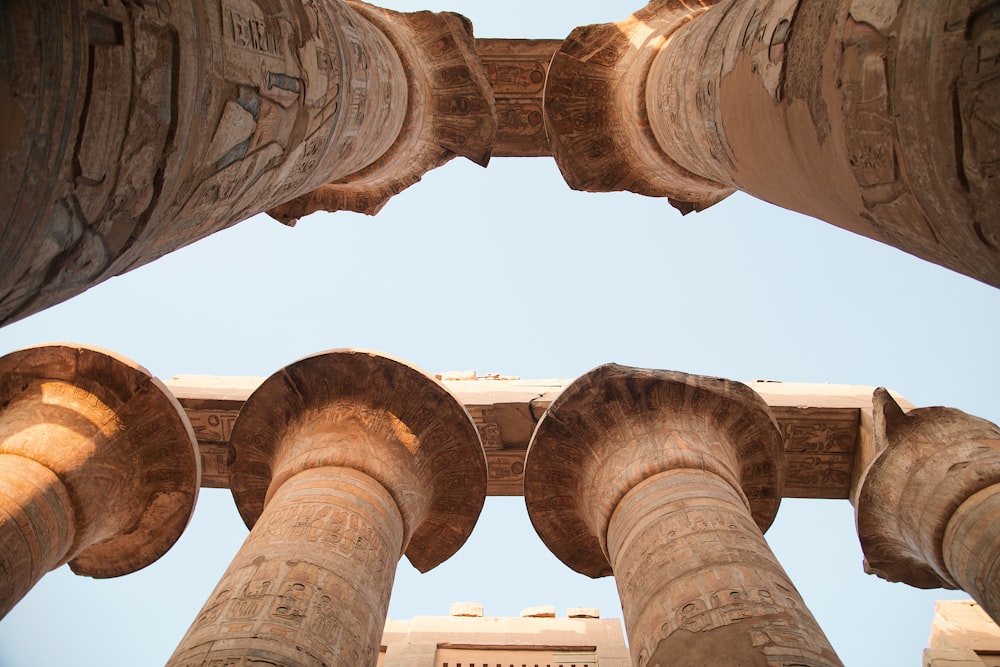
{"x": 132, "y": 129}
{"x": 667, "y": 481}
{"x": 98, "y": 466}
{"x": 928, "y": 509}
{"x": 877, "y": 116}
{"x": 340, "y": 463}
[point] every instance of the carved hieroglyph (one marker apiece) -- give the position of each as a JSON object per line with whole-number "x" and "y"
{"x": 517, "y": 70}
{"x": 132, "y": 129}
{"x": 822, "y": 427}
{"x": 98, "y": 466}
{"x": 667, "y": 480}
{"x": 598, "y": 125}
{"x": 450, "y": 112}
{"x": 341, "y": 462}
{"x": 928, "y": 510}
{"x": 879, "y": 116}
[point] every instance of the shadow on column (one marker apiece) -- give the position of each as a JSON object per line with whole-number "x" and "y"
{"x": 340, "y": 463}
{"x": 666, "y": 481}
{"x": 98, "y": 466}
{"x": 928, "y": 510}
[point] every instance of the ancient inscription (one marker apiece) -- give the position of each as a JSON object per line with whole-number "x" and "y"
{"x": 252, "y": 33}
{"x": 290, "y": 607}
{"x": 871, "y": 137}
{"x": 977, "y": 115}
{"x": 516, "y": 71}
{"x": 486, "y": 421}
{"x": 506, "y": 473}
{"x": 97, "y": 412}
{"x": 449, "y": 77}
{"x": 819, "y": 450}
{"x": 344, "y": 533}
{"x": 515, "y": 77}
{"x": 819, "y": 436}
{"x": 212, "y": 426}
{"x": 818, "y": 475}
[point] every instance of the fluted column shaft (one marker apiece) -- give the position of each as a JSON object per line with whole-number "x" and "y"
{"x": 699, "y": 584}
{"x": 311, "y": 584}
{"x": 98, "y": 466}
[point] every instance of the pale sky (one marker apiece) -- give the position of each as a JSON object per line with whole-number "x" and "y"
{"x": 506, "y": 270}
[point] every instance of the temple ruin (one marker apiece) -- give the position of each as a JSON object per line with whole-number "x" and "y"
{"x": 132, "y": 129}
{"x": 344, "y": 461}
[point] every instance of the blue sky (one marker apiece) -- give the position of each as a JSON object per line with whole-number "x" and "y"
{"x": 506, "y": 270}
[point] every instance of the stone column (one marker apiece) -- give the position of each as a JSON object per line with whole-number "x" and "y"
{"x": 98, "y": 466}
{"x": 132, "y": 129}
{"x": 928, "y": 508}
{"x": 878, "y": 116}
{"x": 666, "y": 481}
{"x": 340, "y": 463}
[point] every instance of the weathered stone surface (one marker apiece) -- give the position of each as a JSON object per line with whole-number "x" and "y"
{"x": 583, "y": 612}
{"x": 869, "y": 115}
{"x": 542, "y": 611}
{"x": 132, "y": 129}
{"x": 339, "y": 463}
{"x": 596, "y": 115}
{"x": 961, "y": 629}
{"x": 450, "y": 112}
{"x": 821, "y": 426}
{"x": 98, "y": 466}
{"x": 928, "y": 511}
{"x": 517, "y": 69}
{"x": 432, "y": 641}
{"x": 666, "y": 480}
{"x": 877, "y": 116}
{"x": 467, "y": 609}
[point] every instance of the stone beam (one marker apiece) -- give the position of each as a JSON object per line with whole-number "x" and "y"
{"x": 516, "y": 69}
{"x": 821, "y": 425}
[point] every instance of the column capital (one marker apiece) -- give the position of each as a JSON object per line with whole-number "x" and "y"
{"x": 450, "y": 111}
{"x": 376, "y": 415}
{"x": 118, "y": 441}
{"x": 596, "y": 110}
{"x": 616, "y": 426}
{"x": 931, "y": 461}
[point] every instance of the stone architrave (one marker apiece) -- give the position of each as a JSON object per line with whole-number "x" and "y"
{"x": 341, "y": 463}
{"x": 666, "y": 481}
{"x": 928, "y": 508}
{"x": 98, "y": 466}
{"x": 132, "y": 129}
{"x": 878, "y": 116}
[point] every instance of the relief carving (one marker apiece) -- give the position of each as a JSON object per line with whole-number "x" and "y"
{"x": 978, "y": 118}
{"x": 209, "y": 138}
{"x": 450, "y": 111}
